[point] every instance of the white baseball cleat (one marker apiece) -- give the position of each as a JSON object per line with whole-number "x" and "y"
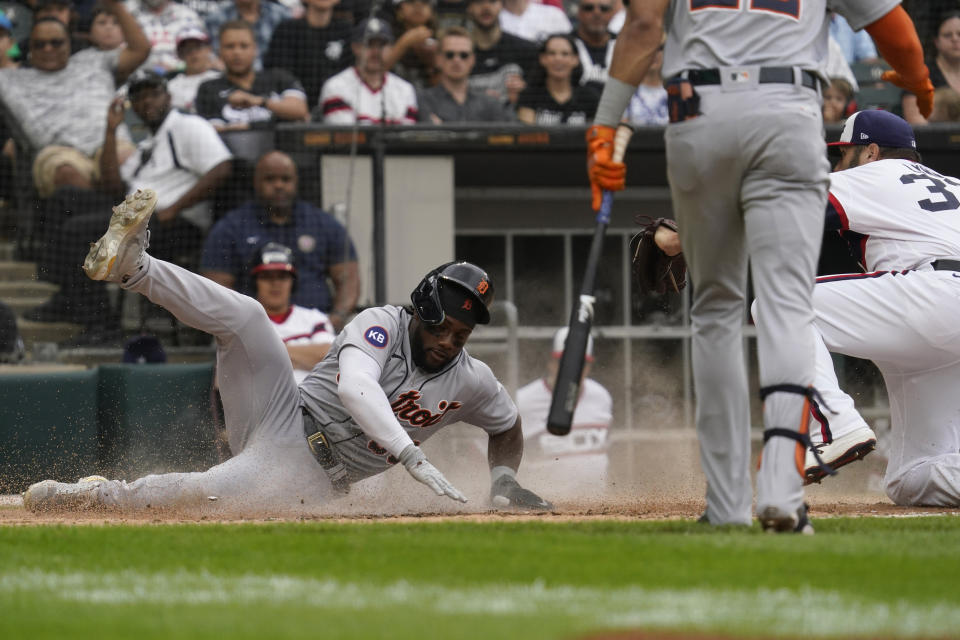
{"x": 51, "y": 495}
{"x": 841, "y": 451}
{"x": 118, "y": 254}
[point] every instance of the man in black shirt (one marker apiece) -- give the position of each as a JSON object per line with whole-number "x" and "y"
{"x": 594, "y": 41}
{"x": 312, "y": 48}
{"x": 242, "y": 97}
{"x": 502, "y": 60}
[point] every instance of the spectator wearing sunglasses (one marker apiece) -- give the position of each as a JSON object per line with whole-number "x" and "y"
{"x": 59, "y": 101}
{"x": 594, "y": 42}
{"x": 452, "y": 99}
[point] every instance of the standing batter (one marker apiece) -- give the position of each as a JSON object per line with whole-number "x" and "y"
{"x": 748, "y": 179}
{"x": 901, "y": 218}
{"x": 392, "y": 378}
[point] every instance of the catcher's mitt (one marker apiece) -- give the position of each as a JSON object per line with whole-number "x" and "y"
{"x": 653, "y": 270}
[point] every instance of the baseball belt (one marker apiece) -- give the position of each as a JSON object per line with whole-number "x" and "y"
{"x": 326, "y": 455}
{"x": 946, "y": 265}
{"x": 768, "y": 75}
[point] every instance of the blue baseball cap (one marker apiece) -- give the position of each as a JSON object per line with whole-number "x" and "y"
{"x": 876, "y": 127}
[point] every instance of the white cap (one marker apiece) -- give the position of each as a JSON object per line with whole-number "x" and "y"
{"x": 560, "y": 337}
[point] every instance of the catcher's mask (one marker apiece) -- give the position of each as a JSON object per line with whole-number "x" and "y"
{"x": 459, "y": 289}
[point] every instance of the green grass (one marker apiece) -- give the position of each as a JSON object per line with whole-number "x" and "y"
{"x": 867, "y": 577}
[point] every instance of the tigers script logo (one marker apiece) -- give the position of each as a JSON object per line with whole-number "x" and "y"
{"x": 409, "y": 410}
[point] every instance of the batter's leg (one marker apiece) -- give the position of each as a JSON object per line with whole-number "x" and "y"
{"x": 783, "y": 204}
{"x": 704, "y": 184}
{"x": 260, "y": 396}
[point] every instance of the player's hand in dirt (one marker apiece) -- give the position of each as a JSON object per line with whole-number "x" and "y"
{"x": 506, "y": 492}
{"x": 420, "y": 468}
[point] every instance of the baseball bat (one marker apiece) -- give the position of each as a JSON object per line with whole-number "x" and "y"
{"x": 566, "y": 388}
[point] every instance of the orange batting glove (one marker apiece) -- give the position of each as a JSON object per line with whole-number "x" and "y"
{"x": 923, "y": 89}
{"x": 604, "y": 173}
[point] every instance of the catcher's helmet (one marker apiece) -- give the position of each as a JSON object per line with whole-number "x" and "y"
{"x": 458, "y": 288}
{"x": 273, "y": 256}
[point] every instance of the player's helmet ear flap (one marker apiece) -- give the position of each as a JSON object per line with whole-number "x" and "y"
{"x": 463, "y": 275}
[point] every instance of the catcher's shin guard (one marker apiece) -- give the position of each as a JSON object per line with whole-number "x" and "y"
{"x": 779, "y": 491}
{"x": 802, "y": 434}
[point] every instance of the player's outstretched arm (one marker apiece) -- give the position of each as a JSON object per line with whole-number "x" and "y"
{"x": 898, "y": 43}
{"x": 504, "y": 453}
{"x": 364, "y": 398}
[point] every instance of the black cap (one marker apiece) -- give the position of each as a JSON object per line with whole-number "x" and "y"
{"x": 372, "y": 29}
{"x": 143, "y": 79}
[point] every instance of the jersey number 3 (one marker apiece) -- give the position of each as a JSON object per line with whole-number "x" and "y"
{"x": 785, "y": 7}
{"x": 938, "y": 186}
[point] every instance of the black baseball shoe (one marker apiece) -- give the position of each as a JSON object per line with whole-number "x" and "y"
{"x": 774, "y": 520}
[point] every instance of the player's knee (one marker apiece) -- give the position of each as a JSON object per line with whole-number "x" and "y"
{"x": 932, "y": 484}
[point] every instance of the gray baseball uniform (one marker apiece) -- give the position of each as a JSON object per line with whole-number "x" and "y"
{"x": 464, "y": 391}
{"x": 273, "y": 469}
{"x": 748, "y": 178}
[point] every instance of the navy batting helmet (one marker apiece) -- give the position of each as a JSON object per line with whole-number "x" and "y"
{"x": 273, "y": 256}
{"x": 459, "y": 289}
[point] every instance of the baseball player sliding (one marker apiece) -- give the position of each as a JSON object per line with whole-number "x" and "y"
{"x": 391, "y": 379}
{"x": 748, "y": 178}
{"x": 901, "y": 221}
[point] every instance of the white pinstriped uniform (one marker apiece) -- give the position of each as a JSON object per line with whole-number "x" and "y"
{"x": 902, "y": 315}
{"x": 302, "y": 326}
{"x": 575, "y": 464}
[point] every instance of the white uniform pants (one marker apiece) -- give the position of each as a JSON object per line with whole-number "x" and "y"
{"x": 273, "y": 470}
{"x": 907, "y": 324}
{"x": 749, "y": 178}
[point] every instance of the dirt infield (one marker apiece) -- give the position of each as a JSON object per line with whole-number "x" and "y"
{"x": 12, "y": 512}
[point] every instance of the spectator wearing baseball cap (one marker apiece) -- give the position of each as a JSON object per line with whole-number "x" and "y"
{"x": 867, "y": 134}
{"x": 200, "y": 65}
{"x": 367, "y": 93}
{"x": 313, "y": 48}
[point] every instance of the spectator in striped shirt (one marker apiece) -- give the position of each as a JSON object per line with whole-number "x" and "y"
{"x": 367, "y": 93}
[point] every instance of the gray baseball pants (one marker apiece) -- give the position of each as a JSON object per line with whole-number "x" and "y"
{"x": 749, "y": 181}
{"x": 273, "y": 470}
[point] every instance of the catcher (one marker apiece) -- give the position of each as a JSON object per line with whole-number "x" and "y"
{"x": 656, "y": 256}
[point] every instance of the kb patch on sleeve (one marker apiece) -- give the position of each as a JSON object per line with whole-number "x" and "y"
{"x": 377, "y": 336}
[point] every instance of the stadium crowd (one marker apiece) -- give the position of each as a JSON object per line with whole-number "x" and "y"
{"x": 98, "y": 97}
